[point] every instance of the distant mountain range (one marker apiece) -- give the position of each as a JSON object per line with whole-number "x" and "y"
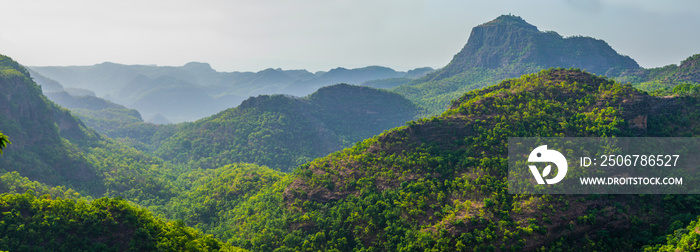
{"x": 195, "y": 90}
{"x": 278, "y": 131}
{"x": 98, "y": 113}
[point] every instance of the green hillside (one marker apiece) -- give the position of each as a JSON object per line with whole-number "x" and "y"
{"x": 667, "y": 77}
{"x": 51, "y": 146}
{"x": 343, "y": 168}
{"x": 31, "y": 223}
{"x": 436, "y": 184}
{"x": 51, "y": 154}
{"x": 440, "y": 183}
{"x": 211, "y": 194}
{"x": 40, "y": 131}
{"x": 99, "y": 114}
{"x": 283, "y": 132}
{"x": 682, "y": 239}
{"x": 508, "y": 47}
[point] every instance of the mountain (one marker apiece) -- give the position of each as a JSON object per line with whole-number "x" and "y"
{"x": 97, "y": 113}
{"x": 195, "y": 90}
{"x": 51, "y": 146}
{"x": 173, "y": 99}
{"x": 355, "y": 76}
{"x": 688, "y": 72}
{"x": 395, "y": 82}
{"x": 508, "y": 47}
{"x": 37, "y": 127}
{"x": 46, "y": 84}
{"x": 509, "y": 41}
{"x": 283, "y": 131}
{"x": 52, "y": 153}
{"x": 440, "y": 183}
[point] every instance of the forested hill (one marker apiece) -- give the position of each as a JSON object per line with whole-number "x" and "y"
{"x": 38, "y": 128}
{"x": 283, "y": 132}
{"x": 435, "y": 184}
{"x": 440, "y": 183}
{"x": 97, "y": 113}
{"x": 31, "y": 223}
{"x": 667, "y": 77}
{"x": 508, "y": 47}
{"x": 51, "y": 146}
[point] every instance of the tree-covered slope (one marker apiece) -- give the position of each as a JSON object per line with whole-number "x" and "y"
{"x": 210, "y": 194}
{"x": 39, "y": 130}
{"x": 667, "y": 77}
{"x": 508, "y": 47}
{"x": 51, "y": 146}
{"x": 52, "y": 153}
{"x": 440, "y": 183}
{"x": 683, "y": 239}
{"x": 97, "y": 113}
{"x": 31, "y": 223}
{"x": 283, "y": 131}
{"x": 355, "y": 113}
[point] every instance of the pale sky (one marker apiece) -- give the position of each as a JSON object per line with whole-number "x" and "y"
{"x": 236, "y": 35}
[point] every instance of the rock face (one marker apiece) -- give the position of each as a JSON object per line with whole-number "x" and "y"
{"x": 511, "y": 43}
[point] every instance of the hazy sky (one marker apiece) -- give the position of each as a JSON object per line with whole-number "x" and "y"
{"x": 237, "y": 35}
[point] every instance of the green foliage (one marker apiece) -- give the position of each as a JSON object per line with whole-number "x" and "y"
{"x": 4, "y": 141}
{"x": 681, "y": 239}
{"x": 439, "y": 183}
{"x": 11, "y": 69}
{"x": 107, "y": 121}
{"x": 283, "y": 132}
{"x": 13, "y": 182}
{"x": 56, "y": 152}
{"x": 97, "y": 113}
{"x": 53, "y": 147}
{"x": 211, "y": 193}
{"x": 685, "y": 89}
{"x": 275, "y": 131}
{"x": 40, "y": 131}
{"x": 436, "y": 184}
{"x": 45, "y": 224}
{"x": 435, "y": 95}
{"x": 664, "y": 78}
{"x": 355, "y": 113}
